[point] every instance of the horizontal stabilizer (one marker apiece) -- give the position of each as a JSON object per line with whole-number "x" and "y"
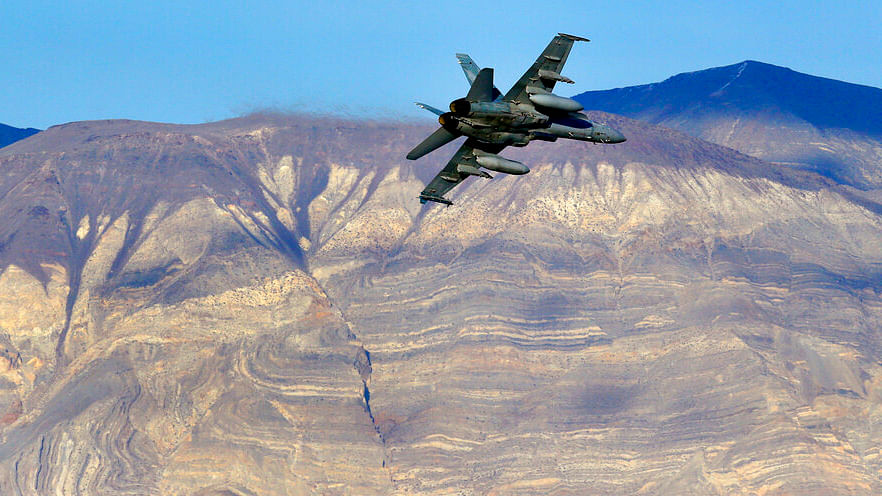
{"x": 482, "y": 88}
{"x": 435, "y": 140}
{"x": 429, "y": 108}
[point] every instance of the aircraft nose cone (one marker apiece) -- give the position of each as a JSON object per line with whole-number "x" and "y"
{"x": 616, "y": 137}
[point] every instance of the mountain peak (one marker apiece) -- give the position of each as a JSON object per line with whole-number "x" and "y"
{"x": 9, "y": 134}
{"x": 751, "y": 85}
{"x": 771, "y": 112}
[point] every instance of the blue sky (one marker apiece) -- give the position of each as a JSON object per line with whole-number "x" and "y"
{"x": 198, "y": 61}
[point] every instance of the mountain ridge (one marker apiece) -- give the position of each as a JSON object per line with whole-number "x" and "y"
{"x": 9, "y": 134}
{"x": 774, "y": 113}
{"x": 833, "y": 104}
{"x": 262, "y": 305}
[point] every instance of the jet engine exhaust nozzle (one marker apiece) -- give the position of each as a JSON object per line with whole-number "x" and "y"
{"x": 461, "y": 107}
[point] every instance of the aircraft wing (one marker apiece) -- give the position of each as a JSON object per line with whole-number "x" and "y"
{"x": 546, "y": 70}
{"x": 461, "y": 166}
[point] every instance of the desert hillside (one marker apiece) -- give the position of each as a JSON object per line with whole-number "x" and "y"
{"x": 262, "y": 306}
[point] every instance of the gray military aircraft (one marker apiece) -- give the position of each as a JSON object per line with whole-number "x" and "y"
{"x": 493, "y": 121}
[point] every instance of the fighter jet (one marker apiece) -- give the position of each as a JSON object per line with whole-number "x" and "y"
{"x": 493, "y": 121}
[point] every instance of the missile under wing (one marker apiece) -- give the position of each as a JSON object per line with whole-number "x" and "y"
{"x": 463, "y": 164}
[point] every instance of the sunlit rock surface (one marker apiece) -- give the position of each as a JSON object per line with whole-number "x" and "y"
{"x": 262, "y": 306}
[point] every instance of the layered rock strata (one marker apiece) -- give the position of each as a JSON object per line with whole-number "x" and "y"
{"x": 262, "y": 306}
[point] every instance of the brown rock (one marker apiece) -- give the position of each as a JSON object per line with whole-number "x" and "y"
{"x": 262, "y": 306}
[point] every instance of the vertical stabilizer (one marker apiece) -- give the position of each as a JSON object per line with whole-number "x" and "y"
{"x": 482, "y": 87}
{"x": 469, "y": 67}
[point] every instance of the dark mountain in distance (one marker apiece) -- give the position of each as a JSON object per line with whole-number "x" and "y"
{"x": 749, "y": 86}
{"x": 9, "y": 134}
{"x": 774, "y": 113}
{"x": 262, "y": 306}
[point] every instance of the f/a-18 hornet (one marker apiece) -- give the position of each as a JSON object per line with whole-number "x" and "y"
{"x": 493, "y": 121}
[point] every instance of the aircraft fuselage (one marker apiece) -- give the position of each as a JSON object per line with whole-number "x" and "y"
{"x": 510, "y": 124}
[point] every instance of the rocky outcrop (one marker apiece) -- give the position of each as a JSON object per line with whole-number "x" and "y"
{"x": 164, "y": 338}
{"x": 262, "y": 306}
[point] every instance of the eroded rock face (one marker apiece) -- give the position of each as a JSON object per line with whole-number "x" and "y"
{"x": 164, "y": 337}
{"x": 262, "y": 306}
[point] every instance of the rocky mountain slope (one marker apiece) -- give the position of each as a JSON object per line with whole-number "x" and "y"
{"x": 770, "y": 112}
{"x": 9, "y": 134}
{"x": 262, "y": 306}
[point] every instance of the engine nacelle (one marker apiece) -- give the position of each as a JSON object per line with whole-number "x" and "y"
{"x": 554, "y": 102}
{"x": 542, "y": 136}
{"x": 495, "y": 114}
{"x": 507, "y": 139}
{"x": 465, "y": 108}
{"x": 499, "y": 164}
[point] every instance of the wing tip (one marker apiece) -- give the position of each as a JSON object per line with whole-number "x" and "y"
{"x": 429, "y": 108}
{"x": 425, "y": 197}
{"x": 573, "y": 37}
